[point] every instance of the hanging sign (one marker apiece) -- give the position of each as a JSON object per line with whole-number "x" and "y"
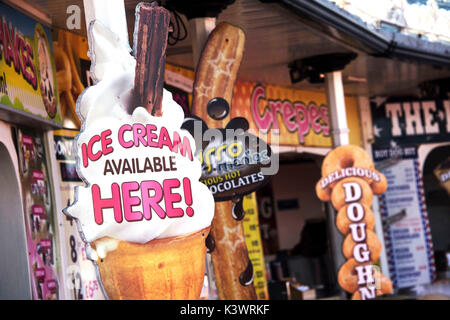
{"x": 27, "y": 68}
{"x": 407, "y": 233}
{"x": 398, "y": 121}
{"x": 233, "y": 160}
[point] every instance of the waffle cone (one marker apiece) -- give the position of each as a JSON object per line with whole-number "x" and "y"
{"x": 162, "y": 269}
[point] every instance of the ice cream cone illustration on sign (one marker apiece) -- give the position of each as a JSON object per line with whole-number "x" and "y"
{"x": 349, "y": 181}
{"x": 143, "y": 211}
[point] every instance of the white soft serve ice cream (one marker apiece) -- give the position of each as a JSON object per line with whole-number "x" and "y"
{"x": 103, "y": 107}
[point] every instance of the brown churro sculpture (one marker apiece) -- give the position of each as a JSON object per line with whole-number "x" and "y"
{"x": 215, "y": 76}
{"x": 349, "y": 180}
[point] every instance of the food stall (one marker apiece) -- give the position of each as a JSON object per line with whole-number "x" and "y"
{"x": 314, "y": 75}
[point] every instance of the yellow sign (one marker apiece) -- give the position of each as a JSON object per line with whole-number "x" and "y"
{"x": 254, "y": 246}
{"x": 27, "y": 68}
{"x": 296, "y": 117}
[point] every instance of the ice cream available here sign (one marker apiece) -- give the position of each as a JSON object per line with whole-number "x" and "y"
{"x": 142, "y": 180}
{"x": 141, "y": 172}
{"x": 140, "y": 136}
{"x": 27, "y": 68}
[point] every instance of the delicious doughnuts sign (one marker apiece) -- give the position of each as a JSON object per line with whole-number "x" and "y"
{"x": 349, "y": 180}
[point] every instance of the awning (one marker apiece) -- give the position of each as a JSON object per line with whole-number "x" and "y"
{"x": 351, "y": 30}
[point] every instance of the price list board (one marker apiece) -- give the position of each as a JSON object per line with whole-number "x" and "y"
{"x": 403, "y": 210}
{"x": 81, "y": 279}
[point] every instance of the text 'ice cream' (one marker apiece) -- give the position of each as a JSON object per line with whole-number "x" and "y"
{"x": 142, "y": 179}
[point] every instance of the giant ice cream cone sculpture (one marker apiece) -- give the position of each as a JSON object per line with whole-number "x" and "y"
{"x": 169, "y": 269}
{"x": 143, "y": 211}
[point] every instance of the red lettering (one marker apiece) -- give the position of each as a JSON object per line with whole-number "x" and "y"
{"x": 8, "y": 47}
{"x": 184, "y": 148}
{"x": 314, "y": 116}
{"x": 171, "y": 198}
{"x": 152, "y": 202}
{"x": 100, "y": 204}
{"x": 264, "y": 122}
{"x": 150, "y": 196}
{"x": 323, "y": 110}
{"x": 122, "y": 142}
{"x": 106, "y": 142}
{"x": 18, "y": 51}
{"x": 295, "y": 115}
{"x": 302, "y": 121}
{"x": 151, "y": 135}
{"x": 164, "y": 139}
{"x": 129, "y": 201}
{"x": 98, "y": 154}
{"x": 288, "y": 115}
{"x": 139, "y": 134}
{"x": 84, "y": 155}
{"x": 31, "y": 76}
{"x": 275, "y": 106}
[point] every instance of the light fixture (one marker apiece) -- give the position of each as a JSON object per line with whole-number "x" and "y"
{"x": 314, "y": 68}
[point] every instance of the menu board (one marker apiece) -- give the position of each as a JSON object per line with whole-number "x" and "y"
{"x": 407, "y": 232}
{"x": 80, "y": 272}
{"x": 38, "y": 208}
{"x": 254, "y": 245}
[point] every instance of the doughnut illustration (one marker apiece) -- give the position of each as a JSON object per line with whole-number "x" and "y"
{"x": 349, "y": 180}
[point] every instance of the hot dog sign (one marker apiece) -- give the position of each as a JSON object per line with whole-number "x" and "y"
{"x": 349, "y": 181}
